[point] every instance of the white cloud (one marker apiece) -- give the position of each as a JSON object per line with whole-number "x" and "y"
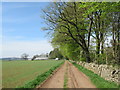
{"x": 16, "y": 48}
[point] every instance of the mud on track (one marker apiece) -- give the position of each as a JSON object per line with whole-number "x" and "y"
{"x": 76, "y": 79}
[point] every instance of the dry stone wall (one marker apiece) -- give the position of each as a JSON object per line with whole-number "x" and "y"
{"x": 107, "y": 72}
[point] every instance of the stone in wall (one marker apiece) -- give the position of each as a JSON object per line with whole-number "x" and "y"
{"x": 107, "y": 72}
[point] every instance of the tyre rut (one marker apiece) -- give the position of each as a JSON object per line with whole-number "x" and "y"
{"x": 76, "y": 79}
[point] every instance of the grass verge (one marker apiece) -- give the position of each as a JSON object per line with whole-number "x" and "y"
{"x": 40, "y": 78}
{"x": 98, "y": 81}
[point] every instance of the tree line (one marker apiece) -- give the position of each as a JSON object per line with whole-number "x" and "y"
{"x": 86, "y": 31}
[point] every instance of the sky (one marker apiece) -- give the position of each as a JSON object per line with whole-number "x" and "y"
{"x": 21, "y": 29}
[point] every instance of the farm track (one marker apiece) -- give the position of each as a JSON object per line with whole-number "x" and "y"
{"x": 56, "y": 80}
{"x": 76, "y": 79}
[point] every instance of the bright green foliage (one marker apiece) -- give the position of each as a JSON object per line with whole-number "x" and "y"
{"x": 75, "y": 24}
{"x": 71, "y": 51}
{"x": 55, "y": 54}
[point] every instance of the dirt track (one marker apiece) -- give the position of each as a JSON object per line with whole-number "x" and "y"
{"x": 76, "y": 79}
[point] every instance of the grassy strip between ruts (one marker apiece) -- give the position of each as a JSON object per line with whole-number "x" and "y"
{"x": 40, "y": 78}
{"x": 98, "y": 81}
{"x": 66, "y": 78}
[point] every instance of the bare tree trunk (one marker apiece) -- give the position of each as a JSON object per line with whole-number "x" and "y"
{"x": 102, "y": 48}
{"x": 102, "y": 38}
{"x": 118, "y": 39}
{"x": 87, "y": 55}
{"x": 90, "y": 28}
{"x": 98, "y": 42}
{"x": 98, "y": 48}
{"x": 114, "y": 41}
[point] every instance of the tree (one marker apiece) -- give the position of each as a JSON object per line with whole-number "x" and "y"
{"x": 34, "y": 57}
{"x": 115, "y": 23}
{"x": 24, "y": 56}
{"x": 73, "y": 25}
{"x": 104, "y": 16}
{"x": 55, "y": 54}
{"x": 66, "y": 18}
{"x": 71, "y": 51}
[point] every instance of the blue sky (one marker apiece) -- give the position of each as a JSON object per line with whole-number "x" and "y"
{"x": 21, "y": 29}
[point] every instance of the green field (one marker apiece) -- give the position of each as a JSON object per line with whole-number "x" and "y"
{"x": 17, "y": 73}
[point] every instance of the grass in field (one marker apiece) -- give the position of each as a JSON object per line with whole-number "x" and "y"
{"x": 17, "y": 73}
{"x": 97, "y": 80}
{"x": 40, "y": 78}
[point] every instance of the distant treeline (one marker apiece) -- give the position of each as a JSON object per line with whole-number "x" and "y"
{"x": 10, "y": 59}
